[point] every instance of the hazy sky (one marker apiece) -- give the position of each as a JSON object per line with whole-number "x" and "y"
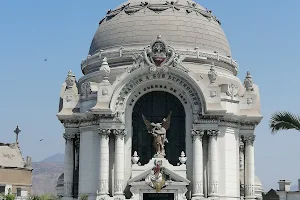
{"x": 264, "y": 38}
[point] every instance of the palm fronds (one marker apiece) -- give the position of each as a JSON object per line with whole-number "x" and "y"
{"x": 284, "y": 121}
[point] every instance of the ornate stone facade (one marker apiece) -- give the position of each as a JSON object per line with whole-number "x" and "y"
{"x": 102, "y": 111}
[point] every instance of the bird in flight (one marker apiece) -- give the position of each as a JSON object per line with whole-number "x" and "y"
{"x": 41, "y": 140}
{"x": 45, "y": 60}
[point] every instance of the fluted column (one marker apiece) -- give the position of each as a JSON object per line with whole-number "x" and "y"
{"x": 68, "y": 165}
{"x": 103, "y": 162}
{"x": 119, "y": 161}
{"x": 197, "y": 163}
{"x": 213, "y": 161}
{"x": 249, "y": 167}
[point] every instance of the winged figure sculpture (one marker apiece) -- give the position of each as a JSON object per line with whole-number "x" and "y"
{"x": 159, "y": 132}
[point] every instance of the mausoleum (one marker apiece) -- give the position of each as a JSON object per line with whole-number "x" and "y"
{"x": 159, "y": 112}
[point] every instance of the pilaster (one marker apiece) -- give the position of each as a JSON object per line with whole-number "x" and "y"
{"x": 69, "y": 162}
{"x": 197, "y": 164}
{"x": 103, "y": 163}
{"x": 249, "y": 167}
{"x": 213, "y": 157}
{"x": 119, "y": 163}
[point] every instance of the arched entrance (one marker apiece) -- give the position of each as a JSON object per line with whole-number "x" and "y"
{"x": 155, "y": 106}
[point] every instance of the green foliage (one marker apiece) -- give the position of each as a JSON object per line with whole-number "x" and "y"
{"x": 44, "y": 197}
{"x": 84, "y": 196}
{"x": 10, "y": 197}
{"x": 284, "y": 121}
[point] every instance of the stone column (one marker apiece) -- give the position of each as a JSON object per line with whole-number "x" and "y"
{"x": 119, "y": 162}
{"x": 103, "y": 162}
{"x": 197, "y": 163}
{"x": 249, "y": 167}
{"x": 213, "y": 161}
{"x": 242, "y": 164}
{"x": 68, "y": 165}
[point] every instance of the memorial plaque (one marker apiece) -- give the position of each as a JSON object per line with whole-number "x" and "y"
{"x": 158, "y": 196}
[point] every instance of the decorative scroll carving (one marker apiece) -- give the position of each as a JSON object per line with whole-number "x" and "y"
{"x": 248, "y": 82}
{"x": 70, "y": 123}
{"x": 120, "y": 133}
{"x": 138, "y": 62}
{"x": 158, "y": 57}
{"x": 197, "y": 134}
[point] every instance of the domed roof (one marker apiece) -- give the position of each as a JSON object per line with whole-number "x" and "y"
{"x": 183, "y": 24}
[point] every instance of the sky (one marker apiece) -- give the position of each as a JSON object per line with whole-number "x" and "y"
{"x": 264, "y": 39}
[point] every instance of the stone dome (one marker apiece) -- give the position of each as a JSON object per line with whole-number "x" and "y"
{"x": 183, "y": 24}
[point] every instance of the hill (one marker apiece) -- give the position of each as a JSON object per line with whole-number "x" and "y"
{"x": 46, "y": 173}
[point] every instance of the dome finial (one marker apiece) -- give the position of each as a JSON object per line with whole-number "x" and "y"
{"x": 105, "y": 69}
{"x": 159, "y": 37}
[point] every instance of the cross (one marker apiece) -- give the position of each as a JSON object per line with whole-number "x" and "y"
{"x": 17, "y": 131}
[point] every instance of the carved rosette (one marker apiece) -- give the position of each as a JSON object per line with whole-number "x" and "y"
{"x": 197, "y": 134}
{"x": 104, "y": 133}
{"x": 198, "y": 187}
{"x": 120, "y": 133}
{"x": 213, "y": 133}
{"x": 249, "y": 139}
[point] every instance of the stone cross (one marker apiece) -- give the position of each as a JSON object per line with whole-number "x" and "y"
{"x": 17, "y": 131}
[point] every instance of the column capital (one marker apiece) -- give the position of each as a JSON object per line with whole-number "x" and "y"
{"x": 241, "y": 144}
{"x": 197, "y": 133}
{"x": 249, "y": 139}
{"x": 69, "y": 136}
{"x": 120, "y": 133}
{"x": 104, "y": 133}
{"x": 213, "y": 133}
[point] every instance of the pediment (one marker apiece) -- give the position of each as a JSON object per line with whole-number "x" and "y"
{"x": 171, "y": 175}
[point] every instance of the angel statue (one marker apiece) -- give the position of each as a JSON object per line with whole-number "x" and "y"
{"x": 159, "y": 132}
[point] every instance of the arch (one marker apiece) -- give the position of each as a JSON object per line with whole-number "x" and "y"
{"x": 155, "y": 106}
{"x": 130, "y": 82}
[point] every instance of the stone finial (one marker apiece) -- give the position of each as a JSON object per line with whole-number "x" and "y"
{"x": 135, "y": 158}
{"x": 70, "y": 80}
{"x": 182, "y": 158}
{"x": 248, "y": 82}
{"x": 105, "y": 69}
{"x": 17, "y": 131}
{"x": 212, "y": 75}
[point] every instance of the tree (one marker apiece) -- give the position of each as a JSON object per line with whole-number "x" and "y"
{"x": 284, "y": 121}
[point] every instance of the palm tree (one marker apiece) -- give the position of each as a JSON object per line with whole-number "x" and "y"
{"x": 284, "y": 121}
